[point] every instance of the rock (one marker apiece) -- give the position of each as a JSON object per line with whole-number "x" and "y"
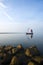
{"x": 2, "y": 57}
{"x": 20, "y": 50}
{"x": 0, "y": 50}
{"x": 34, "y": 51}
{"x": 1, "y": 47}
{"x": 9, "y": 52}
{"x": 8, "y": 48}
{"x": 19, "y": 46}
{"x": 14, "y": 50}
{"x": 20, "y": 56}
{"x": 27, "y": 52}
{"x": 5, "y": 58}
{"x": 14, "y": 61}
{"x": 38, "y": 59}
{"x": 31, "y": 63}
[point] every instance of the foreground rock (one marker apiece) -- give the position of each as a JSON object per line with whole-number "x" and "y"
{"x": 31, "y": 63}
{"x": 14, "y": 61}
{"x": 32, "y": 51}
{"x": 10, "y": 55}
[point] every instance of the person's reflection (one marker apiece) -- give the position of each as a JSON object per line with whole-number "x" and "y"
{"x": 30, "y": 36}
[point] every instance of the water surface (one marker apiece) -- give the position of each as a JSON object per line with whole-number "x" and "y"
{"x": 25, "y": 40}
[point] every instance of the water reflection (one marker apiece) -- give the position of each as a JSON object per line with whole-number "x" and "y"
{"x": 29, "y": 36}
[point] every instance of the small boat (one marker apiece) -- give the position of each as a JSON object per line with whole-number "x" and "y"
{"x": 29, "y": 32}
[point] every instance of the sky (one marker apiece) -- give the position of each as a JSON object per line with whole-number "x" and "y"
{"x": 19, "y": 15}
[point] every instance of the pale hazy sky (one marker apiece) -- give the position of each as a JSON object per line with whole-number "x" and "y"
{"x": 18, "y": 15}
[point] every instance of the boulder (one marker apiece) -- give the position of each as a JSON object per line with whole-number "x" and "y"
{"x": 34, "y": 51}
{"x": 8, "y": 48}
{"x": 38, "y": 59}
{"x": 31, "y": 63}
{"x": 20, "y": 56}
{"x": 14, "y": 50}
{"x": 14, "y": 61}
{"x": 19, "y": 46}
{"x": 28, "y": 52}
{"x": 2, "y": 57}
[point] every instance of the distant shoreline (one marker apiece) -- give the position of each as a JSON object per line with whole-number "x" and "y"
{"x": 11, "y": 33}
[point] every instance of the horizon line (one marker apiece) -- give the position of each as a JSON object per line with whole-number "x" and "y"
{"x": 12, "y": 32}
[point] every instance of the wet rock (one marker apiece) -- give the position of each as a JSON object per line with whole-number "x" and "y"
{"x": 8, "y": 48}
{"x": 14, "y": 50}
{"x": 19, "y": 46}
{"x": 1, "y": 49}
{"x": 38, "y": 59}
{"x": 34, "y": 51}
{"x": 20, "y": 56}
{"x": 2, "y": 57}
{"x": 20, "y": 49}
{"x": 9, "y": 52}
{"x": 14, "y": 61}
{"x": 27, "y": 52}
{"x": 5, "y": 58}
{"x": 31, "y": 63}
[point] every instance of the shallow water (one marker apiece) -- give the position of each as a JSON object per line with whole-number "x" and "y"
{"x": 25, "y": 40}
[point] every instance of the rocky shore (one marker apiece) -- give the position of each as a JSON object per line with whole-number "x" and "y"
{"x": 10, "y": 55}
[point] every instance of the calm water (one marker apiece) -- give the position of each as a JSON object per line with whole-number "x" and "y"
{"x": 25, "y": 40}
